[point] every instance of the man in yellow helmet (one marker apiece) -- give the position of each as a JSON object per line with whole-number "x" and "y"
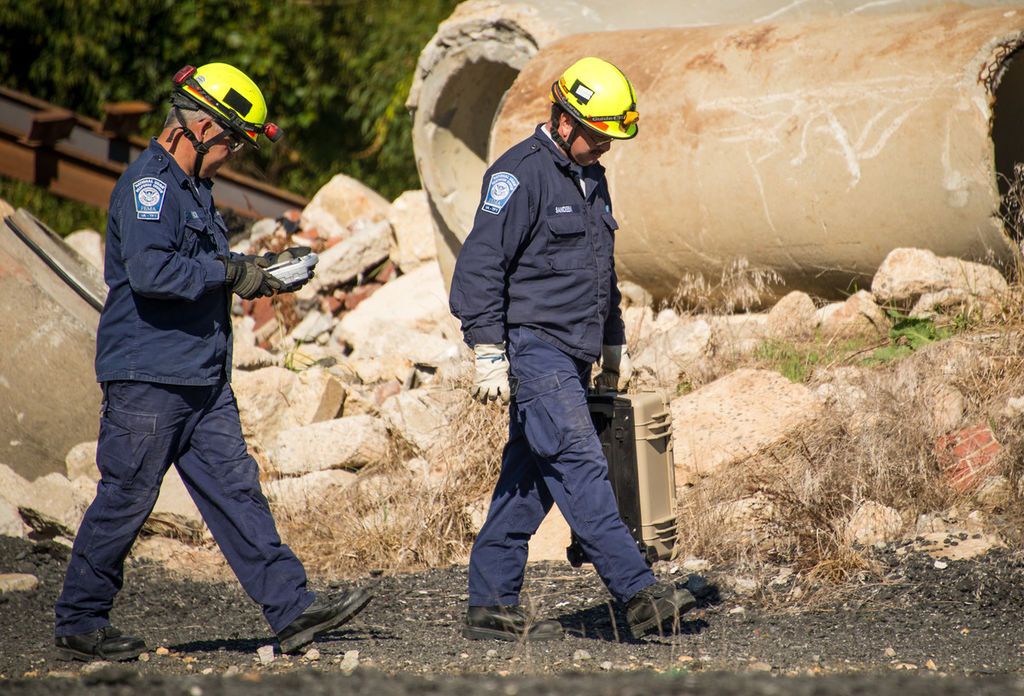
{"x": 535, "y": 289}
{"x": 163, "y": 358}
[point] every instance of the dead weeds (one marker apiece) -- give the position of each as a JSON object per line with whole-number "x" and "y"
{"x": 396, "y": 519}
{"x": 875, "y": 441}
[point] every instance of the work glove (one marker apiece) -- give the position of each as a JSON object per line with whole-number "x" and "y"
{"x": 248, "y": 280}
{"x": 616, "y": 369}
{"x": 286, "y": 255}
{"x": 491, "y": 373}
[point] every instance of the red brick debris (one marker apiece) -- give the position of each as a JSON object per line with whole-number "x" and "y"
{"x": 968, "y": 456}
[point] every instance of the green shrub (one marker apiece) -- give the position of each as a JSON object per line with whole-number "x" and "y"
{"x": 335, "y": 74}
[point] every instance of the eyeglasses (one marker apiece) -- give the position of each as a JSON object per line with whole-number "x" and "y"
{"x": 233, "y": 142}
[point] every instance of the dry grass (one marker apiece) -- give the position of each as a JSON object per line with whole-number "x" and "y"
{"x": 798, "y": 495}
{"x": 395, "y": 520}
{"x": 788, "y": 505}
{"x": 739, "y": 287}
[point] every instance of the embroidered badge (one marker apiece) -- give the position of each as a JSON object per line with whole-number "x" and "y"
{"x": 149, "y": 198}
{"x": 501, "y": 188}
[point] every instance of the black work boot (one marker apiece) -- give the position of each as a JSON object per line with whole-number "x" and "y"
{"x": 105, "y": 643}
{"x": 656, "y": 604}
{"x": 508, "y": 623}
{"x": 322, "y": 615}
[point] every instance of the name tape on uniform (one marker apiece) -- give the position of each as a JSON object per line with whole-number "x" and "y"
{"x": 499, "y": 190}
{"x": 149, "y": 198}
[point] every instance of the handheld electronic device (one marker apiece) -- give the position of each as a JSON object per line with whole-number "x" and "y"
{"x": 294, "y": 271}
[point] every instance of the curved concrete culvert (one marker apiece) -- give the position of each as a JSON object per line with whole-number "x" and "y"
{"x": 812, "y": 150}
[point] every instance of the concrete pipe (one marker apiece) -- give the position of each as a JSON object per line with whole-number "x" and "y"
{"x": 49, "y": 399}
{"x": 770, "y": 149}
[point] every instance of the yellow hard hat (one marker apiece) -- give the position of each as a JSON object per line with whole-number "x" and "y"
{"x": 599, "y": 96}
{"x": 229, "y": 95}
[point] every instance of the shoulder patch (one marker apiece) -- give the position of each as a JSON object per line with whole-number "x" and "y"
{"x": 149, "y": 197}
{"x": 499, "y": 190}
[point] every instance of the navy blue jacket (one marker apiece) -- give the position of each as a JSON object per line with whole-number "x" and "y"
{"x": 540, "y": 255}
{"x": 166, "y": 318}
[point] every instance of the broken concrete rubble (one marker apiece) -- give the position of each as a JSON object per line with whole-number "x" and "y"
{"x": 351, "y": 442}
{"x": 341, "y": 202}
{"x": 734, "y": 418}
{"x": 905, "y": 275}
{"x": 413, "y": 228}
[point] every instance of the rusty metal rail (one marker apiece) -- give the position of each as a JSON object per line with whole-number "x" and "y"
{"x": 81, "y": 158}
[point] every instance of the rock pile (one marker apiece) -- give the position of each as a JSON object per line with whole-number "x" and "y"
{"x": 362, "y": 368}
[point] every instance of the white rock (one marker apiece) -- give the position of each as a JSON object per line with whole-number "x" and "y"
{"x": 245, "y": 354}
{"x": 639, "y": 323}
{"x": 738, "y": 333}
{"x": 747, "y": 521}
{"x": 794, "y": 317}
{"x": 350, "y": 661}
{"x": 11, "y": 524}
{"x": 735, "y": 417}
{"x": 89, "y": 245}
{"x": 422, "y": 416}
{"x": 551, "y": 539}
{"x": 994, "y": 492}
{"x": 48, "y": 504}
{"x": 857, "y": 316}
{"x": 297, "y": 493}
{"x": 906, "y": 274}
{"x": 413, "y": 346}
{"x": 175, "y": 514}
{"x": 742, "y": 585}
{"x": 872, "y": 522}
{"x": 274, "y": 399}
{"x": 696, "y": 565}
{"x": 18, "y": 582}
{"x": 414, "y": 230}
{"x": 339, "y": 203}
{"x": 343, "y": 263}
{"x": 343, "y": 443}
{"x": 946, "y": 407}
{"x": 265, "y": 654}
{"x": 955, "y": 301}
{"x": 580, "y": 656}
{"x": 634, "y": 295}
{"x": 1014, "y": 407}
{"x": 81, "y": 461}
{"x": 262, "y": 228}
{"x": 669, "y": 352}
{"x": 415, "y": 300}
{"x": 312, "y": 325}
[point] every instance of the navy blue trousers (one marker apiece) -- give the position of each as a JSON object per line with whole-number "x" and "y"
{"x": 144, "y": 428}
{"x": 553, "y": 455}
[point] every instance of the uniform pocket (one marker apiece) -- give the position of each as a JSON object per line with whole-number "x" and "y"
{"x": 126, "y": 443}
{"x": 568, "y": 247}
{"x": 552, "y": 415}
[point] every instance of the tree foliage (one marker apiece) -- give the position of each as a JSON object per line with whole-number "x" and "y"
{"x": 335, "y": 74}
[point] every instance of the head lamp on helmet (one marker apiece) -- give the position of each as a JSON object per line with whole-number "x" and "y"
{"x": 227, "y": 94}
{"x": 599, "y": 96}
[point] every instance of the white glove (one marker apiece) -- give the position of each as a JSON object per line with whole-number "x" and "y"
{"x": 616, "y": 369}
{"x": 491, "y": 373}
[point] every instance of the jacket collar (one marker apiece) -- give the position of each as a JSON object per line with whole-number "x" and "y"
{"x": 592, "y": 174}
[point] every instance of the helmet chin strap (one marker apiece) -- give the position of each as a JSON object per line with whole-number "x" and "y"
{"x": 198, "y": 145}
{"x": 565, "y": 144}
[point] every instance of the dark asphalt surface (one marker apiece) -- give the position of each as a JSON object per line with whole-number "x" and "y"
{"x": 919, "y": 630}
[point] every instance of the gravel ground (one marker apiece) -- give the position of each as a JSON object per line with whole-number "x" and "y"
{"x": 922, "y": 630}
